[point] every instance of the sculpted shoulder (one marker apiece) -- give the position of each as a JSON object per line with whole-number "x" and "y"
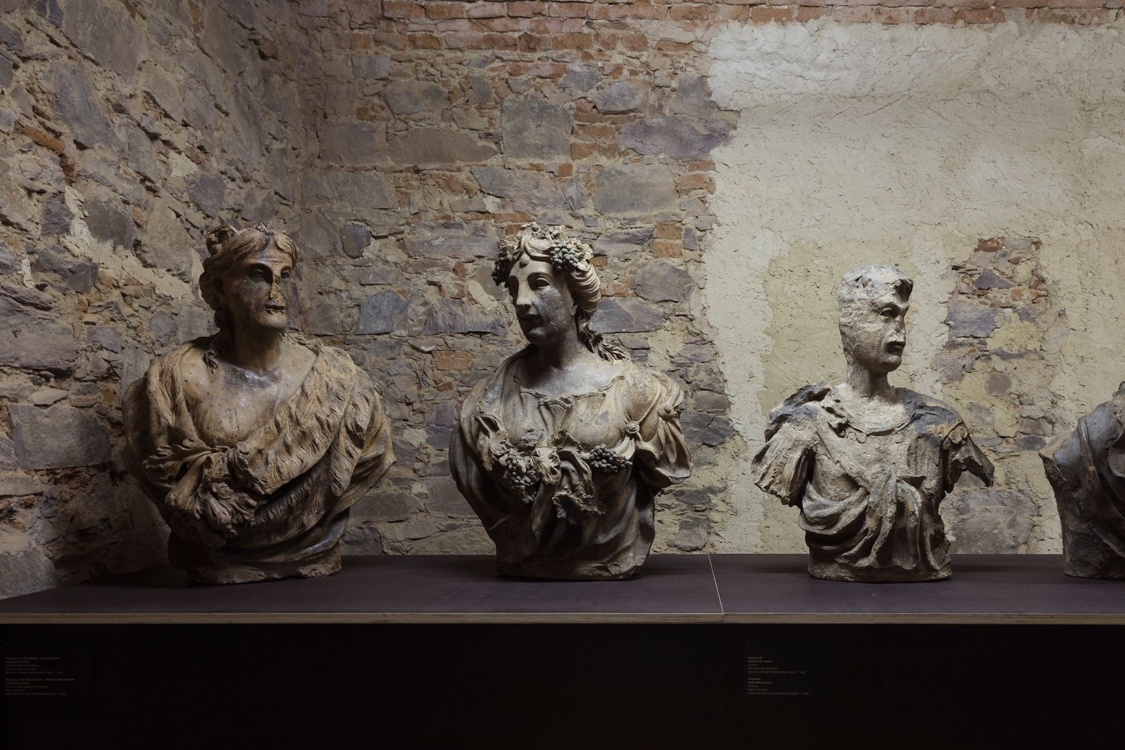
{"x": 646, "y": 387}
{"x": 933, "y": 411}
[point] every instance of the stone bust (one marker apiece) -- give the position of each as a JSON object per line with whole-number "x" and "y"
{"x": 253, "y": 443}
{"x": 867, "y": 463}
{"x": 1086, "y": 469}
{"x": 562, "y": 451}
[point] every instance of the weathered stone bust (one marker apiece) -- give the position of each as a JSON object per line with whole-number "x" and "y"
{"x": 867, "y": 463}
{"x": 254, "y": 442}
{"x": 1087, "y": 471}
{"x": 562, "y": 451}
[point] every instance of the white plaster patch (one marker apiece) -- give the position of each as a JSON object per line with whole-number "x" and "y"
{"x": 905, "y": 145}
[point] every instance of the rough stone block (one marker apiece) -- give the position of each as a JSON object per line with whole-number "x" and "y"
{"x": 536, "y": 130}
{"x": 968, "y": 320}
{"x": 208, "y": 190}
{"x": 424, "y": 146}
{"x": 351, "y": 189}
{"x": 371, "y": 68}
{"x": 105, "y": 32}
{"x": 163, "y": 90}
{"x": 108, "y": 221}
{"x": 56, "y": 218}
{"x": 619, "y": 98}
{"x": 581, "y": 78}
{"x": 354, "y": 239}
{"x": 444, "y": 499}
{"x": 678, "y": 137}
{"x": 412, "y": 97}
{"x": 78, "y": 274}
{"x": 662, "y": 282}
{"x": 166, "y": 243}
{"x": 352, "y": 143}
{"x": 627, "y": 315}
{"x": 450, "y": 240}
{"x": 635, "y": 190}
{"x": 459, "y": 316}
{"x": 529, "y": 190}
{"x": 383, "y": 313}
{"x": 622, "y": 244}
{"x": 58, "y": 437}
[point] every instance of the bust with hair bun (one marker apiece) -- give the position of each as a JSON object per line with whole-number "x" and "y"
{"x": 563, "y": 450}
{"x": 867, "y": 463}
{"x": 254, "y": 443}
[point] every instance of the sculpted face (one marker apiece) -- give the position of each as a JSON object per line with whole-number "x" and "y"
{"x": 543, "y": 302}
{"x": 256, "y": 291}
{"x": 874, "y": 331}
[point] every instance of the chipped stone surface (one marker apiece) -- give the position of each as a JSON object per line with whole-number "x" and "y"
{"x": 58, "y": 437}
{"x": 536, "y": 130}
{"x": 635, "y": 190}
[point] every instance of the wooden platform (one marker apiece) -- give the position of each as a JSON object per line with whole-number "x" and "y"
{"x": 698, "y": 589}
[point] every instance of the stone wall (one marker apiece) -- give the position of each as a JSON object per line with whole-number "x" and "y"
{"x": 125, "y": 127}
{"x": 726, "y": 168}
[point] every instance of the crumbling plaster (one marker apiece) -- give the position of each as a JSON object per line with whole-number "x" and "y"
{"x": 908, "y": 145}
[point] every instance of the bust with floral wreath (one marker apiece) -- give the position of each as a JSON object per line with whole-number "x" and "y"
{"x": 562, "y": 451}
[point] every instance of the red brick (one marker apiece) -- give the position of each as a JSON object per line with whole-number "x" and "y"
{"x": 695, "y": 181}
{"x": 445, "y": 359}
{"x": 469, "y": 40}
{"x": 519, "y": 9}
{"x": 486, "y": 10}
{"x": 724, "y": 13}
{"x": 989, "y": 15}
{"x": 579, "y": 151}
{"x": 667, "y": 249}
{"x": 1019, "y": 3}
{"x": 690, "y": 12}
{"x": 386, "y": 39}
{"x": 599, "y": 133}
{"x": 567, "y": 10}
{"x": 1091, "y": 17}
{"x": 535, "y": 43}
{"x": 743, "y": 2}
{"x": 424, "y": 41}
{"x": 805, "y": 13}
{"x": 546, "y": 26}
{"x": 934, "y": 15}
{"x": 500, "y": 24}
{"x": 635, "y": 12}
{"x": 403, "y": 9}
{"x": 762, "y": 14}
{"x": 443, "y": 11}
{"x": 893, "y": 16}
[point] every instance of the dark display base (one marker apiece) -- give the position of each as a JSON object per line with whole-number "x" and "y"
{"x": 439, "y": 652}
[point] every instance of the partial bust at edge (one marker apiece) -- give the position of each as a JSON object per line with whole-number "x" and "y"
{"x": 868, "y": 464}
{"x": 563, "y": 450}
{"x": 254, "y": 443}
{"x": 1086, "y": 468}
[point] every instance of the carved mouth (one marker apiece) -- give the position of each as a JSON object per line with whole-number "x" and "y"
{"x": 896, "y": 347}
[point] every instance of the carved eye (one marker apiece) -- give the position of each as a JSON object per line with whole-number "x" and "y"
{"x": 888, "y": 312}
{"x": 540, "y": 282}
{"x": 285, "y": 275}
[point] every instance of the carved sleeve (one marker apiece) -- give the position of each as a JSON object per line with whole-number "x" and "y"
{"x": 661, "y": 456}
{"x": 962, "y": 454}
{"x": 465, "y": 463}
{"x": 784, "y": 464}
{"x": 367, "y": 434}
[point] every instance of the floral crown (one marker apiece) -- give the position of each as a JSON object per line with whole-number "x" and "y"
{"x": 548, "y": 243}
